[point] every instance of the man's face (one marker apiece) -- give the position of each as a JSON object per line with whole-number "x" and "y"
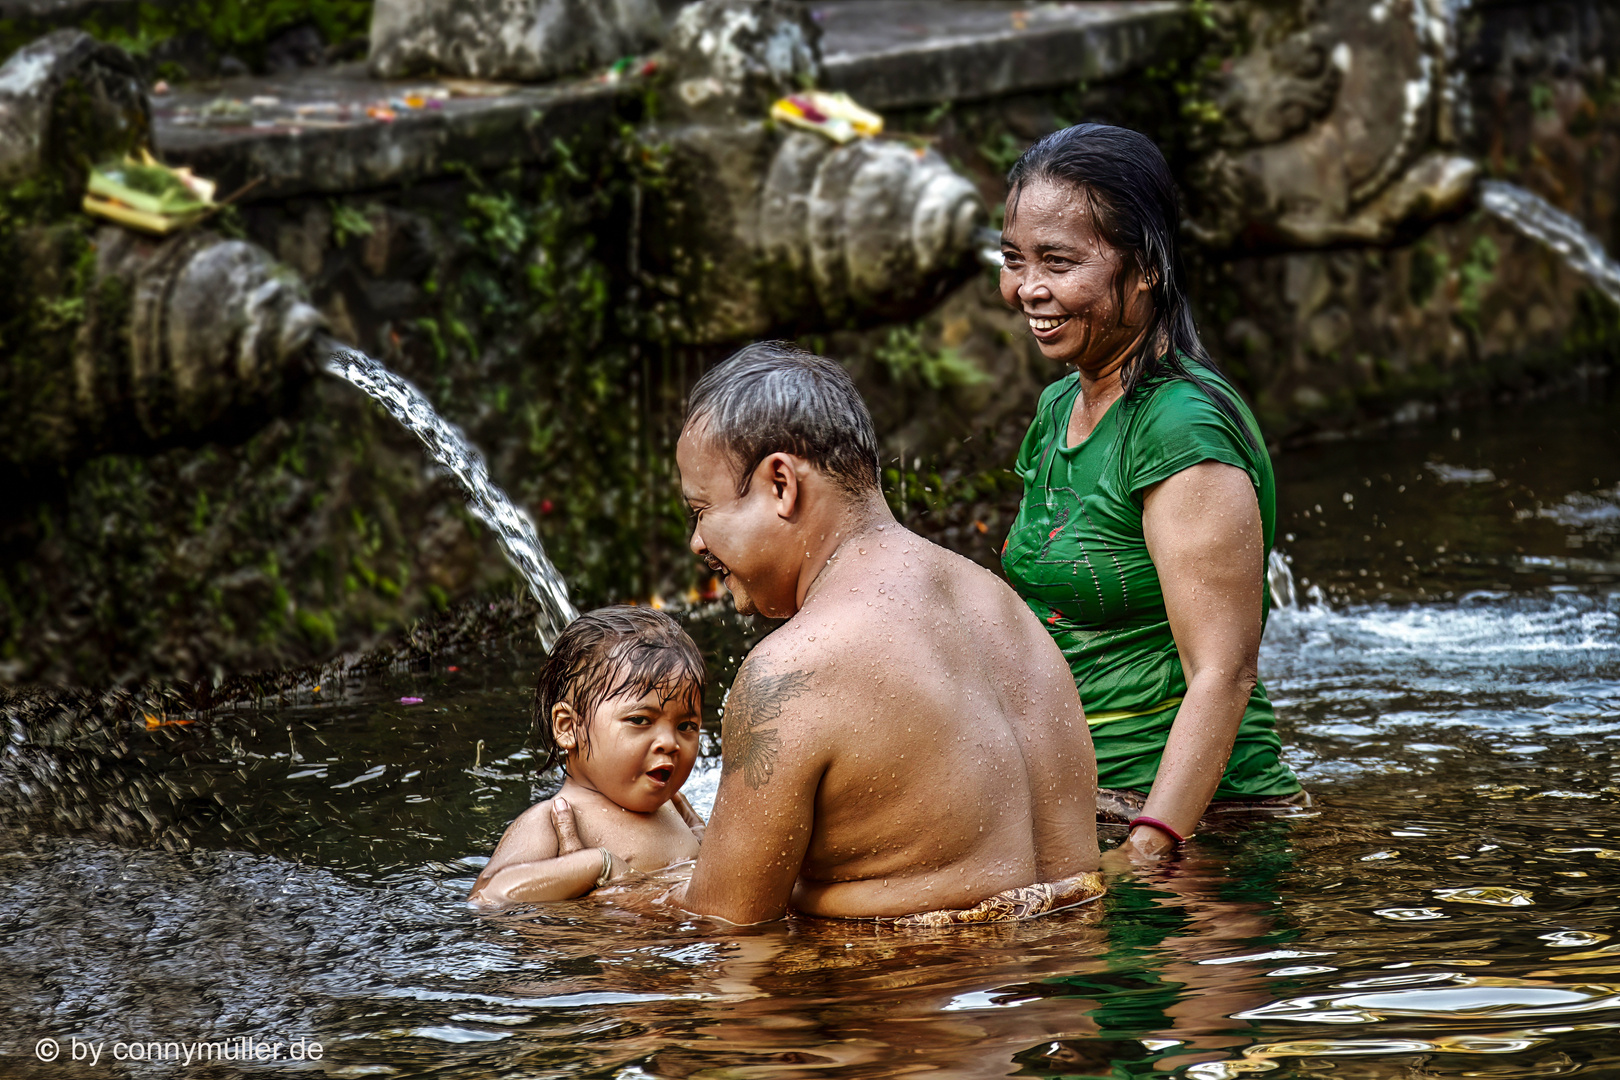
{"x": 743, "y": 538}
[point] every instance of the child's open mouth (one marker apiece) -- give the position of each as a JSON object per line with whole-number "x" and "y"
{"x": 662, "y": 773}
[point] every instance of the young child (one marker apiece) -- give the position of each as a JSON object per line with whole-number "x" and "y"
{"x": 619, "y": 703}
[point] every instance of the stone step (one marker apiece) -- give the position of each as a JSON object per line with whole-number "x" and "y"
{"x": 331, "y": 130}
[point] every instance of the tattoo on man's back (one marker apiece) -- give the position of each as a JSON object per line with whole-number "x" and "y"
{"x": 746, "y": 742}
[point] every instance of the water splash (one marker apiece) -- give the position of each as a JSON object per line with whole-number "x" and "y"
{"x": 1285, "y": 594}
{"x": 1280, "y": 579}
{"x": 1540, "y": 220}
{"x": 445, "y": 442}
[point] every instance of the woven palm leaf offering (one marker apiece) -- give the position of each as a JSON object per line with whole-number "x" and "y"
{"x": 147, "y": 195}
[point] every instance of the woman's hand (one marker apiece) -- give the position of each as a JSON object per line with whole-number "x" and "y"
{"x": 1204, "y": 534}
{"x": 1147, "y": 845}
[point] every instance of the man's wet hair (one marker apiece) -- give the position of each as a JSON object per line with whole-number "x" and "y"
{"x": 608, "y": 653}
{"x": 775, "y": 398}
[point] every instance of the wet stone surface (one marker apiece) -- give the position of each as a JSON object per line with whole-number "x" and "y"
{"x": 337, "y": 129}
{"x": 898, "y": 53}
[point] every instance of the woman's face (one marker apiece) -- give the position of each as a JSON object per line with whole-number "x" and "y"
{"x": 1061, "y": 275}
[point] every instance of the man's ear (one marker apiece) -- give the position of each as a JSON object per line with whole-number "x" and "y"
{"x": 782, "y": 473}
{"x": 565, "y": 726}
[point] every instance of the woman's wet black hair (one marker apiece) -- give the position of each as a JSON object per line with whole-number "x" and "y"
{"x": 1136, "y": 208}
{"x": 607, "y": 653}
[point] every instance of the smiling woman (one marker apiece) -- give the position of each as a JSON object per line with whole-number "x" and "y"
{"x": 1149, "y": 502}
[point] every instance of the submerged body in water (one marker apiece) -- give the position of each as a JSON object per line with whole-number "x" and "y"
{"x": 619, "y": 705}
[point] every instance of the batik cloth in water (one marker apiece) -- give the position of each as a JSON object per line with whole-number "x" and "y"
{"x": 1010, "y": 905}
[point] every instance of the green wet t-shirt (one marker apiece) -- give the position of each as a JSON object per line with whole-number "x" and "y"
{"x": 1077, "y": 556}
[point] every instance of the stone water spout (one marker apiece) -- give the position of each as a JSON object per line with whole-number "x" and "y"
{"x": 765, "y": 230}
{"x": 1333, "y": 123}
{"x": 164, "y": 340}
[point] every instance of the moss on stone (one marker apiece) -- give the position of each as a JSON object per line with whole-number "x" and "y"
{"x": 241, "y": 28}
{"x": 38, "y": 322}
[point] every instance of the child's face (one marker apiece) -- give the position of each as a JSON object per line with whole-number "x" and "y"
{"x": 641, "y": 748}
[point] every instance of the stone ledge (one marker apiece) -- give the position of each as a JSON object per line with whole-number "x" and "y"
{"x": 896, "y": 53}
{"x": 320, "y": 131}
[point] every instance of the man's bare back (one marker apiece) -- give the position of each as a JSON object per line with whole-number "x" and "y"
{"x": 911, "y": 739}
{"x": 955, "y": 758}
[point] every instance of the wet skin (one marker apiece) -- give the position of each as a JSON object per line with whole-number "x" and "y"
{"x": 1061, "y": 275}
{"x": 1202, "y": 525}
{"x": 909, "y": 740}
{"x": 624, "y": 773}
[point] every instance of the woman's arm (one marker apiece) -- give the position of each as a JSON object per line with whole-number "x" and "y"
{"x": 530, "y": 865}
{"x": 1204, "y": 535}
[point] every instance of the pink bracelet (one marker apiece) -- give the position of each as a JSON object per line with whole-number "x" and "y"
{"x": 1143, "y": 819}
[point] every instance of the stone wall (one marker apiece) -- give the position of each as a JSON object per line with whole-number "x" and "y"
{"x": 506, "y": 297}
{"x": 519, "y": 300}
{"x": 1469, "y": 307}
{"x": 1350, "y": 334}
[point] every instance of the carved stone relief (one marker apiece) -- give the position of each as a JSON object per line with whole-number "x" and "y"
{"x": 1336, "y": 125}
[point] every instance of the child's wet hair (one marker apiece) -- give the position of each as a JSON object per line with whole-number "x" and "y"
{"x": 608, "y": 653}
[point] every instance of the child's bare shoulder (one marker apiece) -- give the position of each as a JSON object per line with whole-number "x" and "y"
{"x": 530, "y": 836}
{"x": 539, "y": 812}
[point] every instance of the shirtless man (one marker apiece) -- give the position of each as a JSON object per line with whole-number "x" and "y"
{"x": 911, "y": 739}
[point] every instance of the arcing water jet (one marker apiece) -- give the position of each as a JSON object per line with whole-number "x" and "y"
{"x": 448, "y": 446}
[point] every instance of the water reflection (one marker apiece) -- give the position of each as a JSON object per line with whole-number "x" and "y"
{"x": 298, "y": 869}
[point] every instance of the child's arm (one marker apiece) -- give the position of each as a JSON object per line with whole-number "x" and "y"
{"x": 526, "y": 866}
